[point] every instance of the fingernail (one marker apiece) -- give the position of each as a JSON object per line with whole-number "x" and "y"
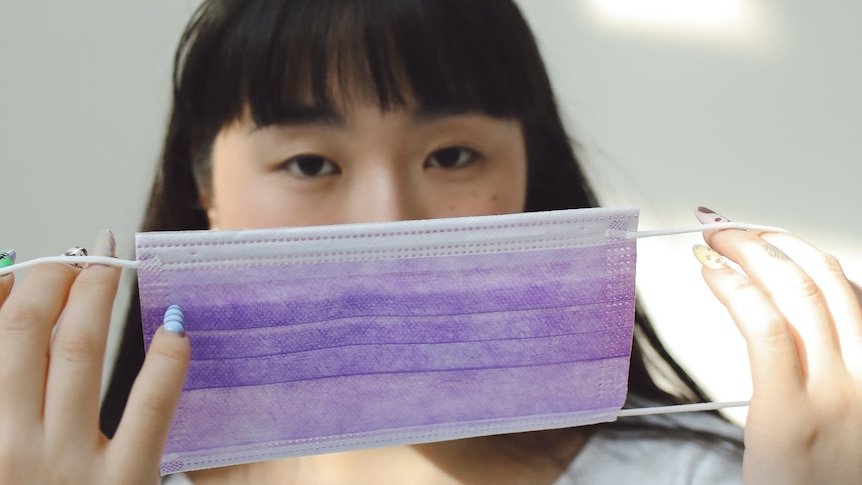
{"x": 174, "y": 320}
{"x": 708, "y": 257}
{"x": 7, "y": 258}
{"x": 709, "y": 216}
{"x": 106, "y": 245}
{"x": 76, "y": 251}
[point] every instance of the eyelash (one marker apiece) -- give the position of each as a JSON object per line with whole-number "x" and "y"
{"x": 312, "y": 166}
{"x": 460, "y": 162}
{"x": 294, "y": 166}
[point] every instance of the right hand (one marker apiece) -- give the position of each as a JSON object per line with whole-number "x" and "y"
{"x": 50, "y": 386}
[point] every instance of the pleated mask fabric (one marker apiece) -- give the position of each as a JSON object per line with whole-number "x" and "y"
{"x": 322, "y": 339}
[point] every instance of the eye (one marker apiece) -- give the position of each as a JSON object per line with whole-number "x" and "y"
{"x": 452, "y": 157}
{"x": 309, "y": 166}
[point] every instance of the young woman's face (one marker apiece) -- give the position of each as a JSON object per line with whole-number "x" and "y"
{"x": 364, "y": 165}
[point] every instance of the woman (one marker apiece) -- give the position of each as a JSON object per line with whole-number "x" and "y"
{"x": 323, "y": 112}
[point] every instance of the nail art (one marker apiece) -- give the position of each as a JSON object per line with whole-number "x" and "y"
{"x": 7, "y": 257}
{"x": 76, "y": 251}
{"x": 709, "y": 216}
{"x": 106, "y": 245}
{"x": 174, "y": 320}
{"x": 708, "y": 257}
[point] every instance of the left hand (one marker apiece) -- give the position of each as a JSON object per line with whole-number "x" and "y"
{"x": 802, "y": 323}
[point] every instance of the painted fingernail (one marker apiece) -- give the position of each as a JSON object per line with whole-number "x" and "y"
{"x": 709, "y": 216}
{"x": 76, "y": 251}
{"x": 708, "y": 257}
{"x": 174, "y": 320}
{"x": 7, "y": 258}
{"x": 106, "y": 245}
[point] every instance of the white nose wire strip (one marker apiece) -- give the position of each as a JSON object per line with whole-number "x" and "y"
{"x": 676, "y": 408}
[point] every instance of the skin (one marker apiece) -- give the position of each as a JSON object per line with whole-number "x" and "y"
{"x": 802, "y": 323}
{"x": 798, "y": 313}
{"x": 50, "y": 398}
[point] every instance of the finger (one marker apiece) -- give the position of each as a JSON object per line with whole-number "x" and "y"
{"x": 6, "y": 283}
{"x": 857, "y": 290}
{"x": 793, "y": 292}
{"x": 7, "y": 258}
{"x": 776, "y": 368}
{"x": 143, "y": 430}
{"x": 78, "y": 351}
{"x": 839, "y": 294}
{"x": 26, "y": 320}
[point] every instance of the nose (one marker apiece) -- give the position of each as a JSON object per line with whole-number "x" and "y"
{"x": 384, "y": 195}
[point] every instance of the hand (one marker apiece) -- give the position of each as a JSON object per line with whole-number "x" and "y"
{"x": 49, "y": 386}
{"x": 802, "y": 323}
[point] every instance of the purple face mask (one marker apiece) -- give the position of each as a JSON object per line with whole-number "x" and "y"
{"x": 323, "y": 339}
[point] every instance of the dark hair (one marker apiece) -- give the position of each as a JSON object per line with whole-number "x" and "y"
{"x": 268, "y": 58}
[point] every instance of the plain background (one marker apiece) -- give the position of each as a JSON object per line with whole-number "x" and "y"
{"x": 749, "y": 107}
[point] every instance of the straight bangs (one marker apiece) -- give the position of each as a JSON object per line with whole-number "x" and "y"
{"x": 277, "y": 60}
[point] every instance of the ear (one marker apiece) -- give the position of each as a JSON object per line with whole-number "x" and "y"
{"x": 212, "y": 213}
{"x": 213, "y": 218}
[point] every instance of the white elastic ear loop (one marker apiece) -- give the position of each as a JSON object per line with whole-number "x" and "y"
{"x": 704, "y": 406}
{"x": 107, "y": 261}
{"x": 702, "y": 228}
{"x": 681, "y": 408}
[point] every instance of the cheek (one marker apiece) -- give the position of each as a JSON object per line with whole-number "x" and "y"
{"x": 233, "y": 202}
{"x": 249, "y": 200}
{"x": 246, "y": 211}
{"x": 509, "y": 191}
{"x": 509, "y": 196}
{"x": 502, "y": 191}
{"x": 240, "y": 198}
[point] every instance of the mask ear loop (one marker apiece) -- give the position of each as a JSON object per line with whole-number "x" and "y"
{"x": 681, "y": 408}
{"x": 105, "y": 260}
{"x": 695, "y": 407}
{"x": 695, "y": 229}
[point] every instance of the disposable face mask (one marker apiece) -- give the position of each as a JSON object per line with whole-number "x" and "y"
{"x": 324, "y": 339}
